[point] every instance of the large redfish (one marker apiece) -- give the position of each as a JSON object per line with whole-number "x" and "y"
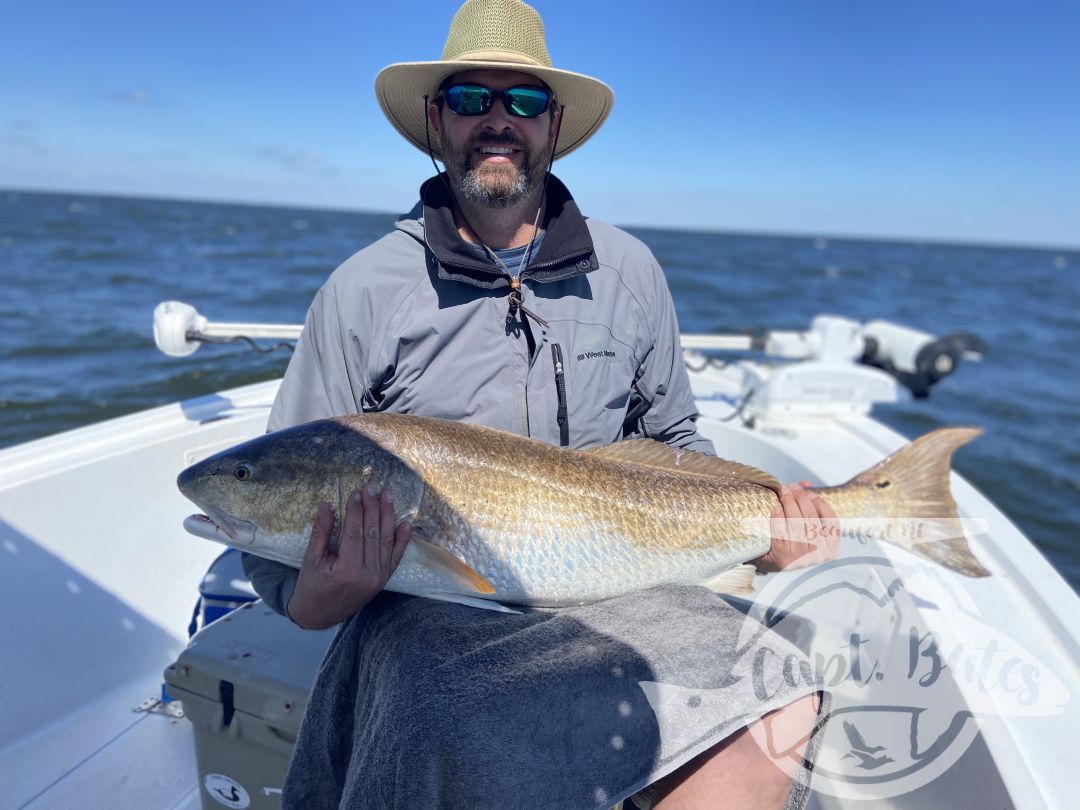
{"x": 504, "y": 518}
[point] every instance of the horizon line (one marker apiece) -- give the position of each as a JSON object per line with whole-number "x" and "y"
{"x": 762, "y": 233}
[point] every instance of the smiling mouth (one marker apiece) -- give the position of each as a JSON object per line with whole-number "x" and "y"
{"x": 496, "y": 152}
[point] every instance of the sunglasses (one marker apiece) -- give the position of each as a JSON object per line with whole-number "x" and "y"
{"x": 524, "y": 101}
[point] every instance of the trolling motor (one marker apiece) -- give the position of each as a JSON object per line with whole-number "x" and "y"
{"x": 917, "y": 359}
{"x": 844, "y": 367}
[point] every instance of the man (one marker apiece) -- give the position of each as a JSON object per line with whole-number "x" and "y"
{"x": 494, "y": 301}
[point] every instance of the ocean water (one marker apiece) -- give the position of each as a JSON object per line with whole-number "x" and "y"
{"x": 81, "y": 275}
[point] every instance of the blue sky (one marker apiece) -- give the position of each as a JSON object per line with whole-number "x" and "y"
{"x": 943, "y": 120}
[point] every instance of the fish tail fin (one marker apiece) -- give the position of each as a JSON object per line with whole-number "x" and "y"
{"x": 737, "y": 581}
{"x": 916, "y": 479}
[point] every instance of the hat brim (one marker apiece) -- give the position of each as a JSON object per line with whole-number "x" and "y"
{"x": 400, "y": 89}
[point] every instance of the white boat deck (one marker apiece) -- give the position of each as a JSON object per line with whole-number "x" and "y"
{"x": 98, "y": 581}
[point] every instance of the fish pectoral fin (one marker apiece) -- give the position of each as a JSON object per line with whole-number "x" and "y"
{"x": 657, "y": 454}
{"x": 737, "y": 581}
{"x": 439, "y": 559}
{"x": 471, "y": 601}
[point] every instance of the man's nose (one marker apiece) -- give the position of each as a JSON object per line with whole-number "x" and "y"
{"x": 498, "y": 118}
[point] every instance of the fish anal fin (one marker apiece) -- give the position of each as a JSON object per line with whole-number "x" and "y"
{"x": 439, "y": 559}
{"x": 657, "y": 454}
{"x": 738, "y": 581}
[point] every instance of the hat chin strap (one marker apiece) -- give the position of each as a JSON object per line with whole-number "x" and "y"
{"x": 431, "y": 153}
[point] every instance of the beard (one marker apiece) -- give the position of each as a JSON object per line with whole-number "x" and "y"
{"x": 498, "y": 186}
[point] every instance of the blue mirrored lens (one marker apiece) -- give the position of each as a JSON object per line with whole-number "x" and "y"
{"x": 527, "y": 102}
{"x": 469, "y": 99}
{"x": 475, "y": 99}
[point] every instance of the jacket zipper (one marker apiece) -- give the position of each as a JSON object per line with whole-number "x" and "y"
{"x": 574, "y": 258}
{"x": 560, "y": 386}
{"x": 528, "y": 272}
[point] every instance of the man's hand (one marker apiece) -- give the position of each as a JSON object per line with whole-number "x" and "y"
{"x": 805, "y": 531}
{"x": 333, "y": 586}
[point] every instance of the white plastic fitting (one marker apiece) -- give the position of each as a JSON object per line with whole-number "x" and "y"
{"x": 172, "y": 322}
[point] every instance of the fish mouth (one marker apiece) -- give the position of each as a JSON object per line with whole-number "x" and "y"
{"x": 221, "y": 528}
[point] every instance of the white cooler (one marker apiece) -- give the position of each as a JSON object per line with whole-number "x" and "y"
{"x": 244, "y": 683}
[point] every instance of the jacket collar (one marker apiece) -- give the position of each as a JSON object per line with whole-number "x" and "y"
{"x": 567, "y": 249}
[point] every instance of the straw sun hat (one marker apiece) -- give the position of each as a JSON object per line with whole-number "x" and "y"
{"x": 500, "y": 35}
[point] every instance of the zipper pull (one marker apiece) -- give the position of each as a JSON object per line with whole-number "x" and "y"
{"x": 517, "y": 302}
{"x": 562, "y": 417}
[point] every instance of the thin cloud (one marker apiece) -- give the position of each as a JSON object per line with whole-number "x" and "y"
{"x": 18, "y": 139}
{"x": 307, "y": 161}
{"x": 159, "y": 156}
{"x": 138, "y": 96}
{"x": 21, "y": 134}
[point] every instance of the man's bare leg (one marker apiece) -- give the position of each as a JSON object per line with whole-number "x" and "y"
{"x": 741, "y": 771}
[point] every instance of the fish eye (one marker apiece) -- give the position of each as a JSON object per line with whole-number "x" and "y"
{"x": 244, "y": 471}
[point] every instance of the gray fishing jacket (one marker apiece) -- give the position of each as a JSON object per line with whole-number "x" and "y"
{"x": 420, "y": 322}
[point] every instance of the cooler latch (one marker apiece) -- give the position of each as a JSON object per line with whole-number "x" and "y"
{"x": 228, "y": 708}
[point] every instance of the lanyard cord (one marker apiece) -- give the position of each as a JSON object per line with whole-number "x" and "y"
{"x": 516, "y": 297}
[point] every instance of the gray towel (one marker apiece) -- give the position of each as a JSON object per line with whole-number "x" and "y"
{"x": 425, "y": 704}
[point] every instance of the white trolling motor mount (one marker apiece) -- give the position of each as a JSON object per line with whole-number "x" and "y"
{"x": 179, "y": 330}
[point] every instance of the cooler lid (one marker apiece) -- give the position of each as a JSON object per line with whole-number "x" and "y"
{"x": 270, "y": 662}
